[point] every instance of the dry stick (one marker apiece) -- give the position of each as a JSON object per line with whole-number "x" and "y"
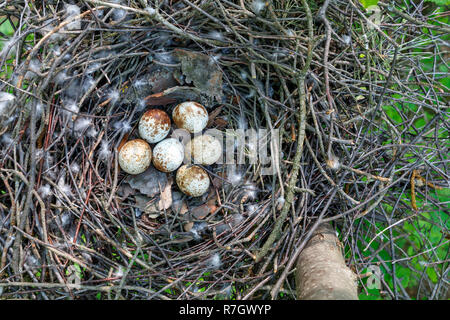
{"x": 75, "y": 237}
{"x": 12, "y": 223}
{"x": 275, "y": 234}
{"x": 248, "y": 46}
{"x": 368, "y": 175}
{"x": 383, "y": 190}
{"x": 253, "y": 290}
{"x": 46, "y": 37}
{"x": 330, "y": 100}
{"x": 107, "y": 288}
{"x": 125, "y": 252}
{"x": 60, "y": 253}
{"x": 300, "y": 190}
{"x": 413, "y": 20}
{"x": 324, "y": 174}
{"x": 413, "y": 190}
{"x": 377, "y": 202}
{"x": 207, "y": 15}
{"x": 274, "y": 147}
{"x": 293, "y": 259}
{"x": 293, "y": 180}
{"x": 423, "y": 252}
{"x": 152, "y": 13}
{"x": 387, "y": 228}
{"x": 26, "y": 211}
{"x": 373, "y": 25}
{"x": 245, "y": 9}
{"x": 316, "y": 125}
{"x": 42, "y": 211}
{"x": 115, "y": 179}
{"x": 127, "y": 271}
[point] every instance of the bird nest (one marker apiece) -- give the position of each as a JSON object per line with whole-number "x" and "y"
{"x": 354, "y": 127}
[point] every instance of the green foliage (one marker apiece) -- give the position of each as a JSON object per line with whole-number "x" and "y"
{"x": 6, "y": 31}
{"x": 373, "y": 294}
{"x": 368, "y": 3}
{"x": 6, "y": 28}
{"x": 440, "y": 2}
{"x": 425, "y": 227}
{"x": 425, "y": 232}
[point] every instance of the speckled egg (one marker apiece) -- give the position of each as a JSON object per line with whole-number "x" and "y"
{"x": 135, "y": 156}
{"x": 168, "y": 155}
{"x": 154, "y": 125}
{"x": 204, "y": 149}
{"x": 192, "y": 180}
{"x": 191, "y": 116}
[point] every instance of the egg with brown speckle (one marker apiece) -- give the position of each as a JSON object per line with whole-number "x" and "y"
{"x": 168, "y": 155}
{"x": 192, "y": 180}
{"x": 191, "y": 116}
{"x": 135, "y": 156}
{"x": 154, "y": 125}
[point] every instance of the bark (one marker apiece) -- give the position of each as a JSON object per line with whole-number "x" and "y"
{"x": 321, "y": 270}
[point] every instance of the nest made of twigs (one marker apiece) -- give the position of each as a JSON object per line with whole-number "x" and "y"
{"x": 328, "y": 77}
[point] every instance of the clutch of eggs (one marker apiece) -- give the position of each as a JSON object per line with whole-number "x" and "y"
{"x": 135, "y": 156}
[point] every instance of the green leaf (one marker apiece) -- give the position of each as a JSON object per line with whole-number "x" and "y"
{"x": 368, "y": 3}
{"x": 404, "y": 274}
{"x": 432, "y": 275}
{"x": 392, "y": 113}
{"x": 373, "y": 294}
{"x": 6, "y": 28}
{"x": 405, "y": 281}
{"x": 77, "y": 267}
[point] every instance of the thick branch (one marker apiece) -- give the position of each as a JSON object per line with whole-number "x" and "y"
{"x": 321, "y": 271}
